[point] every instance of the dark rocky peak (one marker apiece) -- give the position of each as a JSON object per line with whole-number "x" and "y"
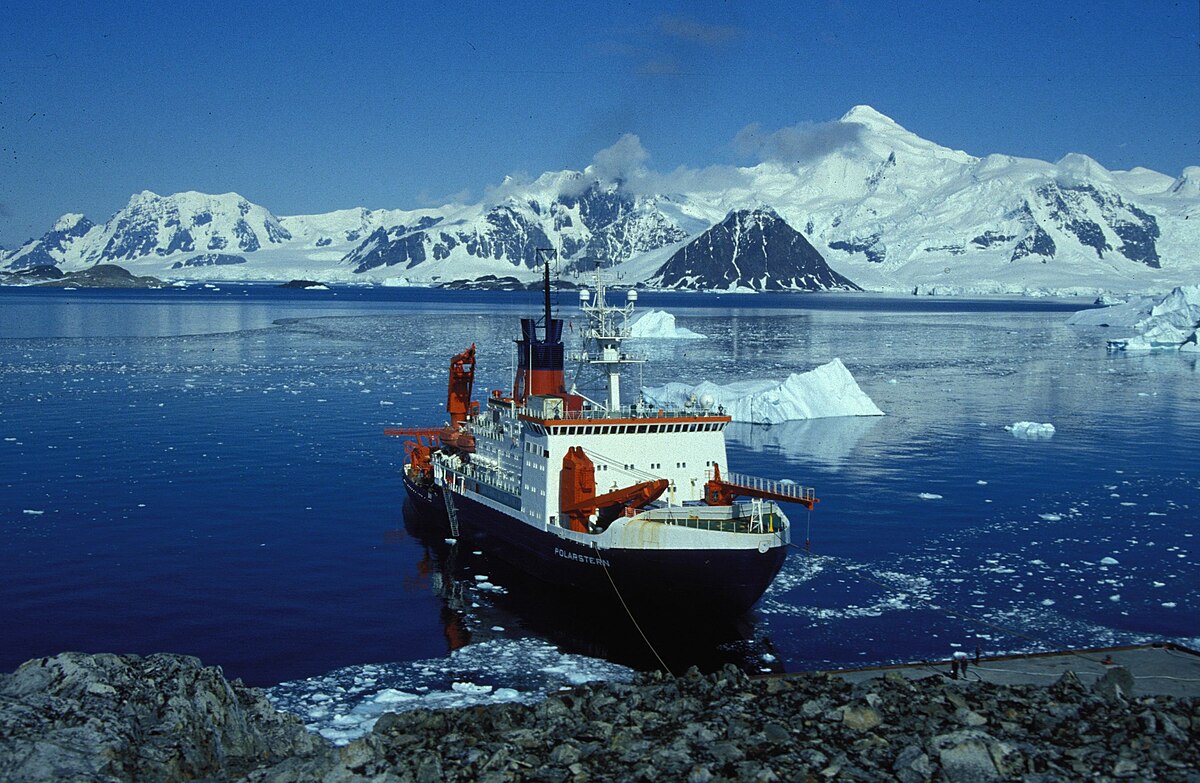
{"x": 750, "y": 248}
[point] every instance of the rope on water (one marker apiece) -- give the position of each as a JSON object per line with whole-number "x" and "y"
{"x": 633, "y": 619}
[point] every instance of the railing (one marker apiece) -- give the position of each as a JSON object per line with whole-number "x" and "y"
{"x": 785, "y": 488}
{"x": 740, "y": 518}
{"x": 624, "y": 412}
{"x": 489, "y": 478}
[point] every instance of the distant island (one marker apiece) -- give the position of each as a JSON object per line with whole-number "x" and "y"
{"x": 99, "y": 276}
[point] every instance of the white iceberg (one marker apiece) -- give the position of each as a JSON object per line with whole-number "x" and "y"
{"x": 1031, "y": 430}
{"x": 829, "y": 390}
{"x": 660, "y": 325}
{"x": 1161, "y": 323}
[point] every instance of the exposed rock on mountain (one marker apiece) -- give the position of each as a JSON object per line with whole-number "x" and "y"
{"x": 750, "y": 249}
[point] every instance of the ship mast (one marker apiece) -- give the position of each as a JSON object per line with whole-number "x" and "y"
{"x": 608, "y": 326}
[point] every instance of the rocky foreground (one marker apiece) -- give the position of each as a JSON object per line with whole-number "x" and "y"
{"x": 77, "y": 717}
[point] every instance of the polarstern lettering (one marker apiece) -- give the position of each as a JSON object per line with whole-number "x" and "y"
{"x": 581, "y": 558}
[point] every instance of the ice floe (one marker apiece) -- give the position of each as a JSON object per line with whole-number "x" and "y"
{"x": 660, "y": 325}
{"x": 1031, "y": 430}
{"x": 344, "y": 704}
{"x": 828, "y": 390}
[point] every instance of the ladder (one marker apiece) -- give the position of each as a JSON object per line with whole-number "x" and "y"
{"x": 451, "y": 512}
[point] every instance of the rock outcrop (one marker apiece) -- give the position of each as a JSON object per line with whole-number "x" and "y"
{"x": 77, "y": 717}
{"x": 166, "y": 718}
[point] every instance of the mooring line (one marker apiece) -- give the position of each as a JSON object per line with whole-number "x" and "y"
{"x": 633, "y": 619}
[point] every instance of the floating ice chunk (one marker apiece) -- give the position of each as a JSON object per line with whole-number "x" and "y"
{"x": 828, "y": 390}
{"x": 1115, "y": 597}
{"x": 1168, "y": 605}
{"x": 929, "y": 496}
{"x": 33, "y": 512}
{"x": 660, "y": 325}
{"x": 1031, "y": 430}
{"x": 1047, "y": 602}
{"x": 1165, "y": 322}
{"x": 470, "y": 687}
{"x": 1051, "y": 517}
{"x": 981, "y": 483}
{"x": 1109, "y": 561}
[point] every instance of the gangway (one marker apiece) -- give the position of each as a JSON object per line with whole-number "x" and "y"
{"x": 721, "y": 491}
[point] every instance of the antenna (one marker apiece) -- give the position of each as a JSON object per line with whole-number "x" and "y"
{"x": 546, "y": 253}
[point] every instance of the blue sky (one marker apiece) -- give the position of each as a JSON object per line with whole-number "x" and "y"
{"x": 309, "y": 108}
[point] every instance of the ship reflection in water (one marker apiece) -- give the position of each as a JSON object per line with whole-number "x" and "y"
{"x": 485, "y": 598}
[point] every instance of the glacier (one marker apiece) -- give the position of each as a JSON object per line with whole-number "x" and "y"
{"x": 826, "y": 391}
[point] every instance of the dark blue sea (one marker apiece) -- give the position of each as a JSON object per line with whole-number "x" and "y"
{"x": 204, "y": 470}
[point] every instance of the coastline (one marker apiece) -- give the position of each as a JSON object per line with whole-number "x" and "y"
{"x": 167, "y": 717}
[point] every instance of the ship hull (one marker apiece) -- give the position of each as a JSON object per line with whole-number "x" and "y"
{"x": 678, "y": 582}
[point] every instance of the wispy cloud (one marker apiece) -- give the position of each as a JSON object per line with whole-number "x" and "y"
{"x": 685, "y": 29}
{"x": 797, "y": 143}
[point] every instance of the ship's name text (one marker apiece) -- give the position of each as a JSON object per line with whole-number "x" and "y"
{"x": 581, "y": 558}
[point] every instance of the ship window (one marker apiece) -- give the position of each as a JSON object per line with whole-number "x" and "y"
{"x": 547, "y": 454}
{"x": 641, "y": 428}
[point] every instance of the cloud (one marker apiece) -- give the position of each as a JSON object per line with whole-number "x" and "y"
{"x": 621, "y": 162}
{"x": 796, "y": 144}
{"x": 690, "y": 30}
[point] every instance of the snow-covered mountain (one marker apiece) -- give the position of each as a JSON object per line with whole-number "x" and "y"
{"x": 883, "y": 207}
{"x": 754, "y": 249}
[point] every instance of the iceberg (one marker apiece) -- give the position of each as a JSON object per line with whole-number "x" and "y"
{"x": 1162, "y": 323}
{"x": 828, "y": 390}
{"x": 1031, "y": 430}
{"x": 660, "y": 325}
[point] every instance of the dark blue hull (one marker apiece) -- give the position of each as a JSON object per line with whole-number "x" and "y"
{"x": 681, "y": 582}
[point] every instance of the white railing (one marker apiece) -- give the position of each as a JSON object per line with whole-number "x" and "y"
{"x": 786, "y": 488}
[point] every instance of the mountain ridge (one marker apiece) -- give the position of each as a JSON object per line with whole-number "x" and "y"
{"x": 883, "y": 206}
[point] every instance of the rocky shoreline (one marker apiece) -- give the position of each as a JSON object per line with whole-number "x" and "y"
{"x": 77, "y": 717}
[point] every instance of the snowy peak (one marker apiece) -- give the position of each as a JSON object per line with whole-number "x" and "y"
{"x": 866, "y": 115}
{"x": 183, "y": 223}
{"x": 750, "y": 249}
{"x": 69, "y": 222}
{"x": 589, "y": 223}
{"x": 54, "y": 247}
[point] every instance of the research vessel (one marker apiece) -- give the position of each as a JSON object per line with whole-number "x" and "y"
{"x": 629, "y": 502}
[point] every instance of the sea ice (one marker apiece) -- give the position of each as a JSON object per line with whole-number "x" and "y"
{"x": 660, "y": 325}
{"x": 1109, "y": 561}
{"x": 828, "y": 390}
{"x": 1031, "y": 430}
{"x": 929, "y": 496}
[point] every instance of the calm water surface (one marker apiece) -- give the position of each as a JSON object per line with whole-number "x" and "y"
{"x": 204, "y": 471}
